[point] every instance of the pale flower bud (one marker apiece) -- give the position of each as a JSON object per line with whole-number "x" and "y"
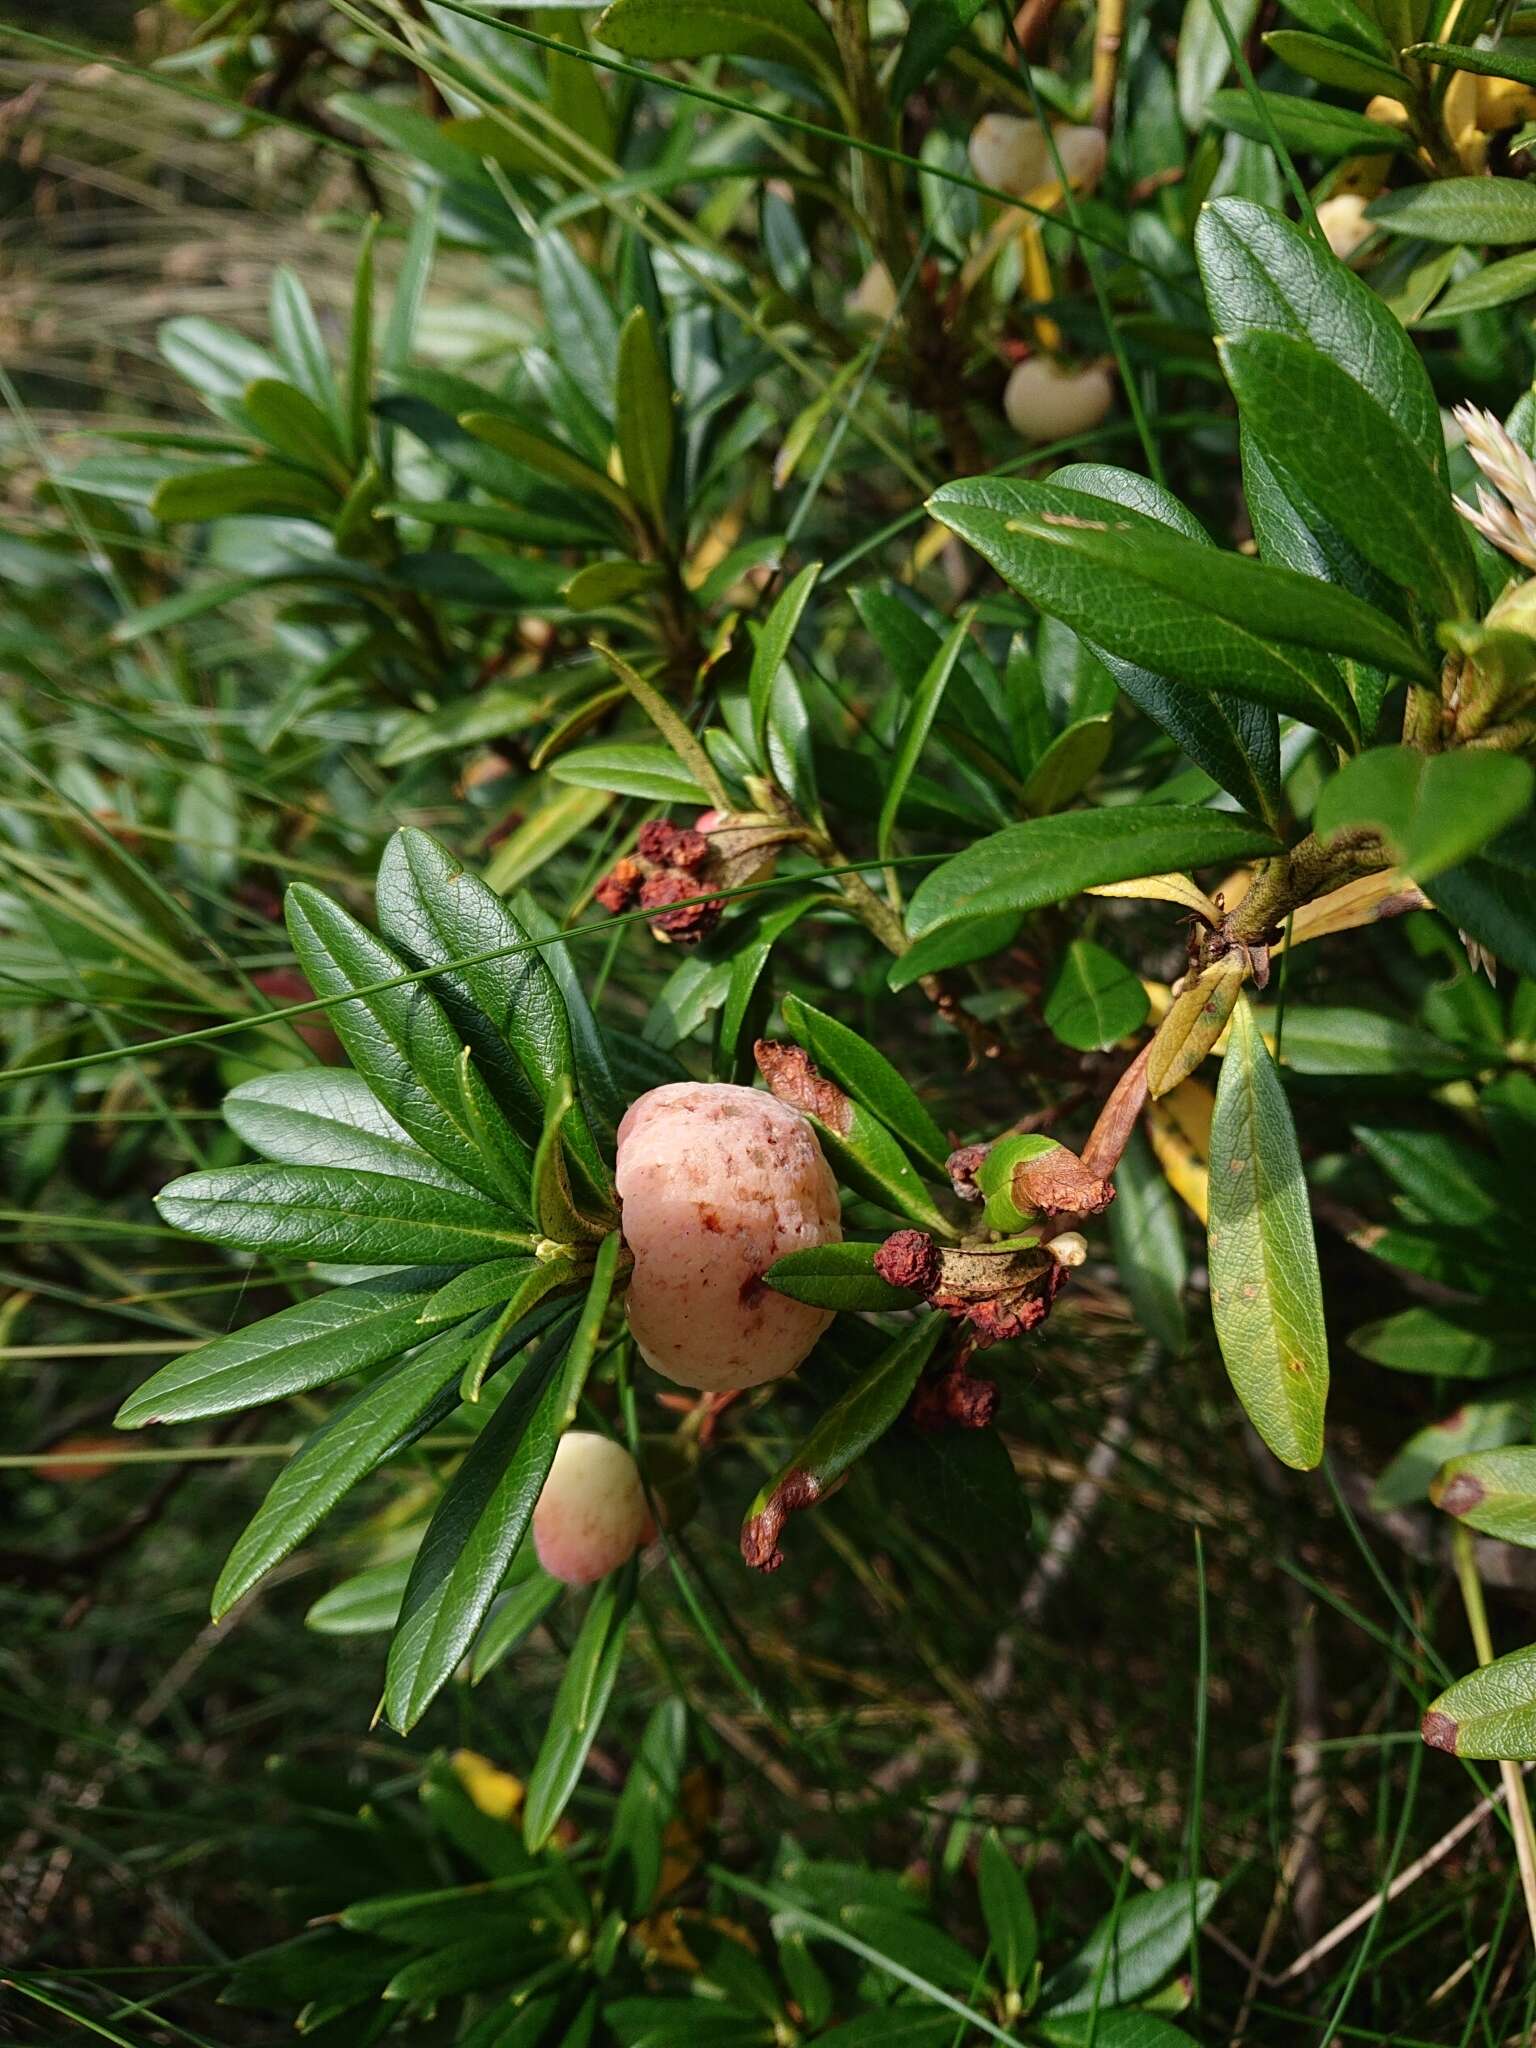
{"x": 1343, "y": 222}
{"x": 1070, "y": 1249}
{"x": 874, "y": 298}
{"x": 1082, "y": 152}
{"x": 1009, "y": 153}
{"x": 1046, "y": 402}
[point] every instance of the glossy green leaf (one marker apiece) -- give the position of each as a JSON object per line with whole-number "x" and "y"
{"x": 771, "y": 649}
{"x": 1266, "y": 1295}
{"x": 869, "y": 1077}
{"x": 1508, "y": 59}
{"x": 505, "y": 999}
{"x": 1493, "y": 896}
{"x": 1068, "y": 764}
{"x": 1006, "y": 1908}
{"x": 241, "y": 488}
{"x": 631, "y": 768}
{"x": 485, "y": 1512}
{"x": 345, "y": 1449}
{"x": 846, "y": 1430}
{"x": 1199, "y": 614}
{"x": 1131, "y": 1952}
{"x": 299, "y": 343}
{"x": 540, "y": 1279}
{"x": 645, "y": 416}
{"x": 490, "y": 1285}
{"x": 547, "y": 458}
{"x": 933, "y": 29}
{"x": 1259, "y": 271}
{"x": 1497, "y": 210}
{"x": 1490, "y": 1713}
{"x": 299, "y": 1348}
{"x": 747, "y": 966}
{"x": 399, "y": 1039}
{"x": 581, "y": 323}
{"x": 366, "y": 1604}
{"x": 837, "y": 1276}
{"x": 1048, "y": 859}
{"x": 591, "y": 1672}
{"x": 559, "y": 1216}
{"x": 1474, "y": 1426}
{"x": 518, "y": 1611}
{"x": 1334, "y": 63}
{"x": 336, "y": 1213}
{"x": 329, "y": 1116}
{"x": 1308, "y": 127}
{"x": 916, "y": 726}
{"x": 1492, "y": 1491}
{"x": 867, "y": 1158}
{"x": 1236, "y": 742}
{"x": 1147, "y": 1233}
{"x": 1094, "y": 1000}
{"x": 1350, "y": 459}
{"x": 1434, "y": 810}
{"x": 1204, "y": 54}
{"x": 783, "y": 31}
{"x": 1493, "y": 284}
{"x": 293, "y": 424}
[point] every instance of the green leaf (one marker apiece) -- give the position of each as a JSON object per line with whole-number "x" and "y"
{"x": 1450, "y": 1343}
{"x": 1069, "y": 764}
{"x": 1260, "y": 271}
{"x": 490, "y": 1285}
{"x": 505, "y": 1000}
{"x": 345, "y": 1449}
{"x": 1147, "y": 1234}
{"x": 746, "y": 972}
{"x": 631, "y": 768}
{"x": 581, "y": 324}
{"x": 484, "y": 1514}
{"x": 868, "y": 1159}
{"x": 840, "y": 1438}
{"x": 1350, "y": 459}
{"x": 1434, "y": 810}
{"x": 1308, "y": 127}
{"x": 1205, "y": 617}
{"x": 299, "y": 343}
{"x": 1204, "y": 54}
{"x": 559, "y": 1217}
{"x": 1506, "y": 60}
{"x": 548, "y": 458}
{"x": 783, "y": 31}
{"x": 399, "y": 1039}
{"x": 1492, "y": 1491}
{"x": 869, "y": 1077}
{"x": 1131, "y": 1952}
{"x": 1494, "y": 898}
{"x": 518, "y": 1611}
{"x": 366, "y": 1604}
{"x": 771, "y": 650}
{"x": 1460, "y": 210}
{"x": 602, "y": 585}
{"x": 1266, "y": 1295}
{"x": 538, "y": 1280}
{"x": 328, "y": 1116}
{"x": 1046, "y": 860}
{"x": 1006, "y": 1908}
{"x": 299, "y": 1348}
{"x": 294, "y": 425}
{"x": 216, "y": 361}
{"x": 1095, "y": 999}
{"x": 838, "y": 1276}
{"x": 1130, "y": 2028}
{"x": 632, "y": 1863}
{"x": 1332, "y": 63}
{"x": 1237, "y": 743}
{"x": 585, "y": 1690}
{"x": 1494, "y": 284}
{"x": 916, "y": 726}
{"x": 1489, "y": 1714}
{"x": 645, "y": 416}
{"x": 1474, "y": 1426}
{"x": 933, "y": 29}
{"x": 207, "y": 826}
{"x": 359, "y": 377}
{"x": 238, "y": 489}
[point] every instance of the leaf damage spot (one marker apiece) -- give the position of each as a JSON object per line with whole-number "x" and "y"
{"x": 1439, "y": 1731}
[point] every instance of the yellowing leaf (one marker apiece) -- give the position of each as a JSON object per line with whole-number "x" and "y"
{"x": 495, "y": 1792}
{"x": 1163, "y": 889}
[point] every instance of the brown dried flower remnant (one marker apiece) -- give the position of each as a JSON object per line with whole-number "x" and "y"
{"x": 998, "y": 1291}
{"x": 910, "y": 1259}
{"x": 953, "y": 1399}
{"x": 673, "y": 867}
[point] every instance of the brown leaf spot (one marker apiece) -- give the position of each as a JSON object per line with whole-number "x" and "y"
{"x": 1439, "y": 1731}
{"x": 793, "y": 1077}
{"x": 1461, "y": 1496}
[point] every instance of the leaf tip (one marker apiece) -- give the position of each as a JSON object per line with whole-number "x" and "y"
{"x": 1439, "y": 1731}
{"x": 1460, "y": 1495}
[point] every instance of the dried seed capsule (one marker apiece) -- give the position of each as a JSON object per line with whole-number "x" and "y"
{"x": 1045, "y": 402}
{"x": 717, "y": 1183}
{"x": 591, "y": 1516}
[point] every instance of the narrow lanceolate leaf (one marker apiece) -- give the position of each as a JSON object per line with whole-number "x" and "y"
{"x": 507, "y": 1007}
{"x": 543, "y": 1278}
{"x": 305, "y": 1346}
{"x": 868, "y": 1076}
{"x": 1347, "y": 456}
{"x": 838, "y": 1276}
{"x": 488, "y": 1286}
{"x": 1148, "y": 1241}
{"x": 773, "y": 647}
{"x": 842, "y": 1436}
{"x": 484, "y": 1515}
{"x": 1006, "y": 1908}
{"x": 1493, "y": 1492}
{"x": 1266, "y": 1295}
{"x": 1132, "y": 1950}
{"x": 1497, "y": 210}
{"x": 645, "y": 425}
{"x": 321, "y": 1212}
{"x": 399, "y": 1039}
{"x": 1489, "y": 1714}
{"x": 633, "y": 1860}
{"x": 914, "y": 732}
{"x": 1174, "y": 606}
{"x": 782, "y": 31}
{"x": 327, "y": 1116}
{"x": 1095, "y": 999}
{"x": 340, "y": 1453}
{"x": 554, "y": 1205}
{"x": 1195, "y": 1021}
{"x": 579, "y": 1706}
